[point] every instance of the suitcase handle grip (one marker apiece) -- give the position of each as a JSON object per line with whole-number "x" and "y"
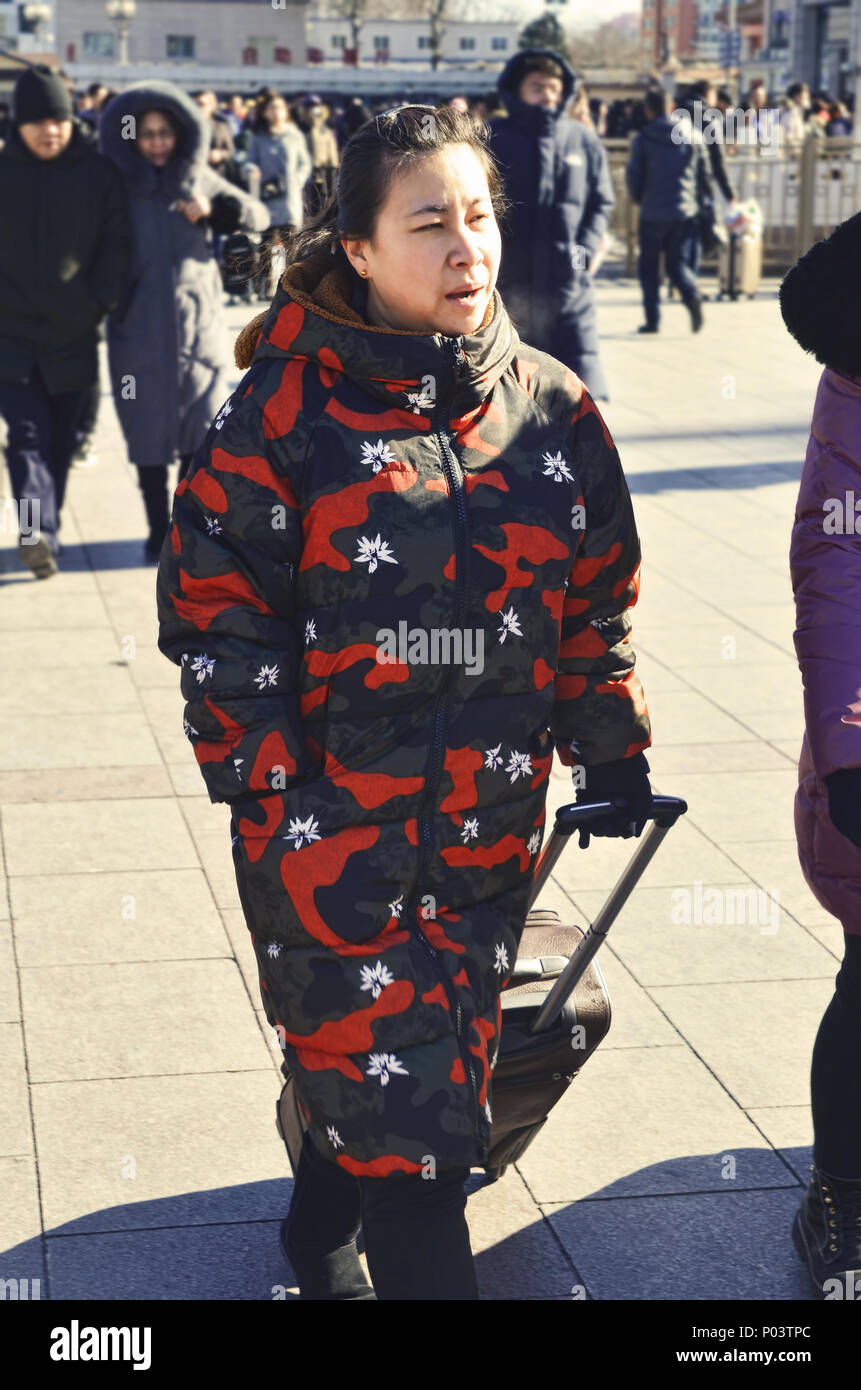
{"x": 664, "y": 813}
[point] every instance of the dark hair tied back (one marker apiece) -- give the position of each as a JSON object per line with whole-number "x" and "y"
{"x": 373, "y": 156}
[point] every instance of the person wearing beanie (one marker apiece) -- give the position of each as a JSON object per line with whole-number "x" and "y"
{"x": 557, "y": 180}
{"x": 820, "y": 300}
{"x": 64, "y": 259}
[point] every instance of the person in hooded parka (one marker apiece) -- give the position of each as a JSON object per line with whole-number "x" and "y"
{"x": 399, "y": 574}
{"x": 167, "y": 340}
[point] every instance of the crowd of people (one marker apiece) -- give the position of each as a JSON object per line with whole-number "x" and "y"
{"x": 416, "y": 240}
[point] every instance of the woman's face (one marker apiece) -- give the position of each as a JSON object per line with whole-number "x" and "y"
{"x": 275, "y": 112}
{"x": 156, "y": 138}
{"x": 434, "y": 257}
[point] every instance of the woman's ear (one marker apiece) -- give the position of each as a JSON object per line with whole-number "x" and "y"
{"x": 354, "y": 250}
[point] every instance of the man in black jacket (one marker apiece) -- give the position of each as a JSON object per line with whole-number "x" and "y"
{"x": 558, "y": 181}
{"x": 666, "y": 175}
{"x": 64, "y": 258}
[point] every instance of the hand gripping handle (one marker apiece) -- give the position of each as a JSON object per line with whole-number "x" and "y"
{"x": 664, "y": 813}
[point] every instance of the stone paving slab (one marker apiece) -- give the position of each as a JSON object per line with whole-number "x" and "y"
{"x": 146, "y": 1151}
{"x": 703, "y": 1246}
{"x": 674, "y": 1126}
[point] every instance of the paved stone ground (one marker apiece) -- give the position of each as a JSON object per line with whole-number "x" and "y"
{"x": 138, "y": 1077}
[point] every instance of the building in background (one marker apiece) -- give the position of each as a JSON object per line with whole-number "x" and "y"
{"x": 174, "y": 32}
{"x": 408, "y": 42}
{"x": 825, "y": 36}
{"x": 668, "y": 29}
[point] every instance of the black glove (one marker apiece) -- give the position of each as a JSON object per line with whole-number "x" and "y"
{"x": 844, "y": 802}
{"x": 624, "y": 782}
{"x": 226, "y": 214}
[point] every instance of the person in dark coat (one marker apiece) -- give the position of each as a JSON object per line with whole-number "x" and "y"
{"x": 64, "y": 262}
{"x": 396, "y": 472}
{"x": 166, "y": 340}
{"x": 820, "y": 300}
{"x": 667, "y": 176}
{"x": 701, "y": 105}
{"x": 558, "y": 181}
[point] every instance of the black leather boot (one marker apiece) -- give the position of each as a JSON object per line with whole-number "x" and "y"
{"x": 826, "y": 1231}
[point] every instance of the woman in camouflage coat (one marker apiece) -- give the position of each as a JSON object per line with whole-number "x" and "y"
{"x": 398, "y": 576}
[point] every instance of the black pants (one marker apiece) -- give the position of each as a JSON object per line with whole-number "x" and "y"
{"x": 41, "y": 430}
{"x": 835, "y": 1075}
{"x": 676, "y": 240}
{"x": 416, "y": 1236}
{"x": 153, "y": 485}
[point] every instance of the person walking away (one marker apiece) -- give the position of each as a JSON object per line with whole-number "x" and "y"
{"x": 557, "y": 180}
{"x": 324, "y": 155}
{"x": 423, "y": 465}
{"x": 279, "y": 152}
{"x": 820, "y": 300}
{"x": 65, "y": 245}
{"x": 166, "y": 339}
{"x": 701, "y": 104}
{"x": 793, "y": 118}
{"x": 667, "y": 176}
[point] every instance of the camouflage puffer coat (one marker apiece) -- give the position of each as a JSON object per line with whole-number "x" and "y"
{"x": 397, "y": 576}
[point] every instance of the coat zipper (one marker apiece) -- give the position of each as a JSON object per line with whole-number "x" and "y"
{"x": 454, "y": 478}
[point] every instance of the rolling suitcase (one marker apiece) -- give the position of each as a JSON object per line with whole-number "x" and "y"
{"x": 555, "y": 1008}
{"x": 740, "y": 257}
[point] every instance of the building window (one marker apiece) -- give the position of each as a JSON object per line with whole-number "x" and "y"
{"x": 380, "y": 41}
{"x": 180, "y": 45}
{"x": 670, "y": 22}
{"x": 99, "y": 45}
{"x": 338, "y": 41}
{"x": 467, "y": 44}
{"x": 498, "y": 43}
{"x": 265, "y": 49}
{"x": 647, "y": 23}
{"x": 425, "y": 41}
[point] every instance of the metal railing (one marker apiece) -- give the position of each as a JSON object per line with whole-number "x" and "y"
{"x": 804, "y": 192}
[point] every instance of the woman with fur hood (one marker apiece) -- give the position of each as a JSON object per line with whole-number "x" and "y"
{"x": 821, "y": 304}
{"x": 398, "y": 575}
{"x": 167, "y": 339}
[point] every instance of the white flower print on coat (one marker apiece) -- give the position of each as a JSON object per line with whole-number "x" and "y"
{"x": 519, "y": 765}
{"x": 203, "y": 665}
{"x": 375, "y": 978}
{"x": 470, "y": 830}
{"x": 384, "y": 1065}
{"x": 372, "y": 551}
{"x": 493, "y": 758}
{"x": 510, "y": 623}
{"x": 500, "y": 962}
{"x": 334, "y": 1137}
{"x": 302, "y": 830}
{"x": 556, "y": 468}
{"x": 376, "y": 454}
{"x": 267, "y": 675}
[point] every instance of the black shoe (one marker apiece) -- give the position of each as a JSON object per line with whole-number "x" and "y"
{"x": 39, "y": 556}
{"x": 826, "y": 1232}
{"x": 333, "y": 1276}
{"x": 695, "y": 309}
{"x": 647, "y": 328}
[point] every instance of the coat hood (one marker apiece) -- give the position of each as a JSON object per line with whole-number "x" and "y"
{"x": 182, "y": 171}
{"x": 535, "y": 117}
{"x": 311, "y": 317}
{"x": 820, "y": 299}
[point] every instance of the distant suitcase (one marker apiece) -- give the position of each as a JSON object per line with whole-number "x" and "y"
{"x": 740, "y": 263}
{"x": 555, "y": 1009}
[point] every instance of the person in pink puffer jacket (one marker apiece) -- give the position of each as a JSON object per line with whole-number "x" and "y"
{"x": 820, "y": 300}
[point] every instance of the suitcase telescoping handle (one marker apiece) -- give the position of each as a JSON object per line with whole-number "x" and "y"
{"x": 665, "y": 811}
